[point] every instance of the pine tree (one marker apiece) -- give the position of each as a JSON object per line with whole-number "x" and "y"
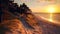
{"x": 24, "y": 9}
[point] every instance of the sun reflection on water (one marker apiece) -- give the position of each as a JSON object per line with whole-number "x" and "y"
{"x": 51, "y": 19}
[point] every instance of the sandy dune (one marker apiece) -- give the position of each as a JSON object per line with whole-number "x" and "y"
{"x": 32, "y": 24}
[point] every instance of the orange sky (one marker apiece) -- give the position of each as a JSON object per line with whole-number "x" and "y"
{"x": 41, "y": 5}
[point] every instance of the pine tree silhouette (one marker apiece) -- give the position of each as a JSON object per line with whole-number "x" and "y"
{"x": 24, "y": 9}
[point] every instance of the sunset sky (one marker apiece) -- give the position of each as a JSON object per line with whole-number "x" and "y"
{"x": 42, "y": 6}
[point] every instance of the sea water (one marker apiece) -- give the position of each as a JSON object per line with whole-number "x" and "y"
{"x": 51, "y": 16}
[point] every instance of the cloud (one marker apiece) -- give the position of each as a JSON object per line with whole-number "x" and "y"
{"x": 45, "y": 0}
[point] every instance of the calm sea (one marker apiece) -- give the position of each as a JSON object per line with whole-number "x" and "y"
{"x": 52, "y": 17}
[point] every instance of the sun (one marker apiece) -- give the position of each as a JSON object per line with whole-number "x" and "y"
{"x": 51, "y": 10}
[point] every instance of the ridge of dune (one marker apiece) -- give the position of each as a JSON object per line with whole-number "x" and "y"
{"x": 24, "y": 25}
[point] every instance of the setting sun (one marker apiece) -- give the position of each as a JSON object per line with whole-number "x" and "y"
{"x": 51, "y": 9}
